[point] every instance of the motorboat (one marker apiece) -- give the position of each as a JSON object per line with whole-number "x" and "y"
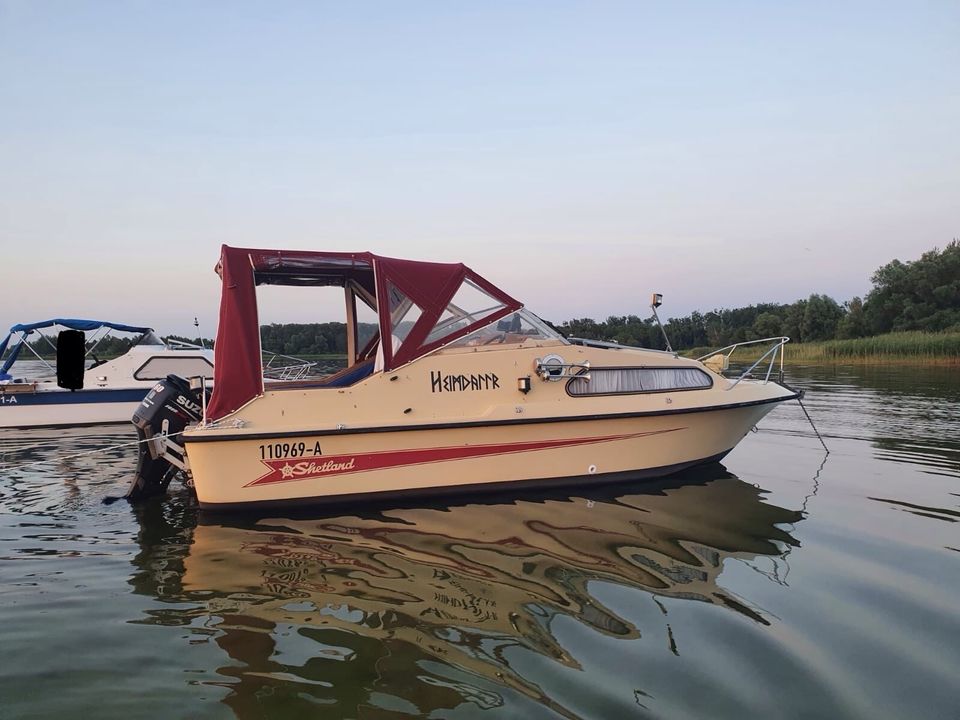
{"x": 77, "y": 388}
{"x": 461, "y": 389}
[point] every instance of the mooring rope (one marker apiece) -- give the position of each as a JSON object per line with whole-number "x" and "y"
{"x": 60, "y": 458}
{"x": 800, "y": 402}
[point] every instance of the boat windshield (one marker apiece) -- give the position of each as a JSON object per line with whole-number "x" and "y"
{"x": 519, "y": 327}
{"x": 150, "y": 338}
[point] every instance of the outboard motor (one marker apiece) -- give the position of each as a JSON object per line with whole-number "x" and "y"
{"x": 166, "y": 411}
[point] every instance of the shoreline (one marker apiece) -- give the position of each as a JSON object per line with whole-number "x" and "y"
{"x": 902, "y": 348}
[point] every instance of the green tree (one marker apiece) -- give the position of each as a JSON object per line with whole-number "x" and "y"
{"x": 923, "y": 294}
{"x": 820, "y": 318}
{"x": 767, "y": 325}
{"x": 854, "y": 322}
{"x": 687, "y": 332}
{"x": 584, "y": 328}
{"x": 793, "y": 321}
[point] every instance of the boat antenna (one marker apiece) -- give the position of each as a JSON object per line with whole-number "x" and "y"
{"x": 655, "y": 302}
{"x": 196, "y": 324}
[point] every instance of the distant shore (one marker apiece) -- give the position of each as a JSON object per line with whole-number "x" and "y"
{"x": 903, "y": 348}
{"x": 899, "y": 348}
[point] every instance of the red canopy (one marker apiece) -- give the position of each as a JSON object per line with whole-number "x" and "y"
{"x": 421, "y": 306}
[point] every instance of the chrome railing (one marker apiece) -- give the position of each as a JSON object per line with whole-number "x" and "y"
{"x": 174, "y": 344}
{"x": 773, "y": 353}
{"x": 285, "y": 367}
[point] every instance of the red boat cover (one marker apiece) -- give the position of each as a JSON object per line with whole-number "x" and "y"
{"x": 238, "y": 372}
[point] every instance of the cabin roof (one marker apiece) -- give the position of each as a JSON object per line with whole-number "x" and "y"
{"x": 420, "y": 306}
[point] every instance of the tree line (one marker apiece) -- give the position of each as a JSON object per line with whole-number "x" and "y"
{"x": 311, "y": 338}
{"x": 106, "y": 347}
{"x": 922, "y": 294}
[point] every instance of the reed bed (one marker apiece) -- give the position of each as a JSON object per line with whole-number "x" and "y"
{"x": 900, "y": 347}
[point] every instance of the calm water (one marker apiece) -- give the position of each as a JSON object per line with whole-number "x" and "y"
{"x": 783, "y": 584}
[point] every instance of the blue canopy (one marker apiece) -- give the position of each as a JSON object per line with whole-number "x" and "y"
{"x": 71, "y": 323}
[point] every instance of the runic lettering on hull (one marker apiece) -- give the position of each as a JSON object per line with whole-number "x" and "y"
{"x": 460, "y": 383}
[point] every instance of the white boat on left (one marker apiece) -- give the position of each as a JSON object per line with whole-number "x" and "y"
{"x": 77, "y": 388}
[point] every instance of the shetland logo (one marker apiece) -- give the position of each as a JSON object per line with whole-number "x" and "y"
{"x": 312, "y": 469}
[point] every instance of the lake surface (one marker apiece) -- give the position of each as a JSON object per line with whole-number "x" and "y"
{"x": 785, "y": 584}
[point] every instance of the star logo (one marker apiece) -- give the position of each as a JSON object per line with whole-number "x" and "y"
{"x": 287, "y": 471}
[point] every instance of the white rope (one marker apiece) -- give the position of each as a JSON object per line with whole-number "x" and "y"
{"x": 87, "y": 453}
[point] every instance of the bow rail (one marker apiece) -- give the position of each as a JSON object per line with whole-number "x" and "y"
{"x": 719, "y": 360}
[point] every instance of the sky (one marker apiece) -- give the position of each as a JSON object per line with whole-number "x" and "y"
{"x": 580, "y": 155}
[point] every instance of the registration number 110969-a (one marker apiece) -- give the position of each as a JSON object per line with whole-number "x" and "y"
{"x": 281, "y": 450}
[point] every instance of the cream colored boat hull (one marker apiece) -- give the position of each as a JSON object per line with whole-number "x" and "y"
{"x": 458, "y": 421}
{"x": 462, "y": 389}
{"x": 352, "y": 465}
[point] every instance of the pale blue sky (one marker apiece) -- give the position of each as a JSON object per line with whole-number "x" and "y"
{"x": 580, "y": 155}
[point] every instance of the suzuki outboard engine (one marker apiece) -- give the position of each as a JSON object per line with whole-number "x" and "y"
{"x": 162, "y": 415}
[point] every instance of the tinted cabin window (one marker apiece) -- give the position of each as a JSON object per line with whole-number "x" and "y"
{"x": 622, "y": 381}
{"x": 157, "y": 368}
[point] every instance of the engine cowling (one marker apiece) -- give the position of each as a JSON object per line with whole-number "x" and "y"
{"x": 168, "y": 409}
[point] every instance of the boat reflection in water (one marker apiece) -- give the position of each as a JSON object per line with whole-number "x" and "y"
{"x": 415, "y": 609}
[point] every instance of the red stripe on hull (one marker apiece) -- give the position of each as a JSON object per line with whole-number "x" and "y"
{"x": 294, "y": 469}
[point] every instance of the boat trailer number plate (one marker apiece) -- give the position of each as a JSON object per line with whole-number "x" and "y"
{"x": 279, "y": 451}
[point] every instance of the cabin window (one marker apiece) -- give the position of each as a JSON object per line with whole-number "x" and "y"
{"x": 515, "y": 328}
{"x": 470, "y": 304}
{"x": 157, "y": 368}
{"x": 404, "y": 314}
{"x": 625, "y": 381}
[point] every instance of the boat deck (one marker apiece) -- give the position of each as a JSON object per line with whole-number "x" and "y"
{"x": 17, "y": 388}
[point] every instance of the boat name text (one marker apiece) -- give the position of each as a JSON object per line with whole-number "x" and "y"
{"x": 8, "y": 400}
{"x": 460, "y": 383}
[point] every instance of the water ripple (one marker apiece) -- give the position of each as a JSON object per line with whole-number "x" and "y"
{"x": 800, "y": 586}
